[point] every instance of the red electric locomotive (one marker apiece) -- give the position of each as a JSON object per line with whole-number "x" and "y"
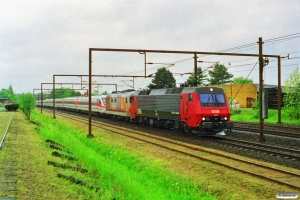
{"x": 201, "y": 110}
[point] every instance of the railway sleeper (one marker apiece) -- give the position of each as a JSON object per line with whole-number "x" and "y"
{"x": 65, "y": 166}
{"x": 55, "y": 153}
{"x": 60, "y": 149}
{"x": 78, "y": 181}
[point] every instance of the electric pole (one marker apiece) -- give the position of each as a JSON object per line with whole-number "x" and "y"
{"x": 261, "y": 89}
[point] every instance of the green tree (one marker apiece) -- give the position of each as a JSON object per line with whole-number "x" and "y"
{"x": 67, "y": 92}
{"x": 201, "y": 78}
{"x": 163, "y": 79}
{"x": 95, "y": 93}
{"x": 27, "y": 103}
{"x": 4, "y": 93}
{"x": 292, "y": 97}
{"x": 242, "y": 80}
{"x": 9, "y": 94}
{"x": 219, "y": 75}
{"x": 63, "y": 93}
{"x": 104, "y": 93}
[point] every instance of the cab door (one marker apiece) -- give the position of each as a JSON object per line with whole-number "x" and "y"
{"x": 133, "y": 106}
{"x": 184, "y": 107}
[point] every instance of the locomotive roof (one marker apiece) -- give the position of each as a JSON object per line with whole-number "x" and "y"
{"x": 121, "y": 93}
{"x": 202, "y": 89}
{"x": 79, "y": 97}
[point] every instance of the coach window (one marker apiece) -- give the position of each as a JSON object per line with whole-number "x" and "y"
{"x": 190, "y": 98}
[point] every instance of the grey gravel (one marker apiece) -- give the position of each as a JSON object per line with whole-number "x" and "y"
{"x": 273, "y": 140}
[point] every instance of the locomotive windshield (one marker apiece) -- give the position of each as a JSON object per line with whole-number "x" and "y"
{"x": 212, "y": 99}
{"x": 104, "y": 101}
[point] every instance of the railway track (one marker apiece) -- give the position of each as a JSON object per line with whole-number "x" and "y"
{"x": 272, "y": 129}
{"x": 278, "y": 174}
{"x": 8, "y": 162}
{"x": 268, "y": 149}
{"x": 5, "y": 120}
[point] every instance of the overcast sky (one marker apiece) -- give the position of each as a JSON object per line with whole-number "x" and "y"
{"x": 41, "y": 38}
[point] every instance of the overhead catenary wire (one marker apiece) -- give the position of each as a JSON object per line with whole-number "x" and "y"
{"x": 155, "y": 68}
{"x": 278, "y": 39}
{"x": 245, "y": 80}
{"x": 143, "y": 80}
{"x": 281, "y": 38}
{"x": 240, "y": 48}
{"x": 292, "y": 36}
{"x": 254, "y": 45}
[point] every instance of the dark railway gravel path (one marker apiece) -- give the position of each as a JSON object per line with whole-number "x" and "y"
{"x": 270, "y": 129}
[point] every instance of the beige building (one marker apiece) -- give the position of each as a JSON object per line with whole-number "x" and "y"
{"x": 243, "y": 95}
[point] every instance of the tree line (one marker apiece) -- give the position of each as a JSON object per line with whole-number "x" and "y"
{"x": 164, "y": 78}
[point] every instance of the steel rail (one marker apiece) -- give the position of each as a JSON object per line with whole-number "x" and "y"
{"x": 259, "y": 145}
{"x": 2, "y": 141}
{"x": 295, "y": 128}
{"x": 268, "y": 132}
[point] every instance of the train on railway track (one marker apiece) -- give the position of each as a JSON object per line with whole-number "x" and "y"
{"x": 198, "y": 110}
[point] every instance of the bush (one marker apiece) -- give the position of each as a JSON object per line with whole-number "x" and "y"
{"x": 27, "y": 103}
{"x": 292, "y": 97}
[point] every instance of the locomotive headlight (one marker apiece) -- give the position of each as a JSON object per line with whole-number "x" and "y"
{"x": 225, "y": 118}
{"x": 207, "y": 118}
{"x": 203, "y": 118}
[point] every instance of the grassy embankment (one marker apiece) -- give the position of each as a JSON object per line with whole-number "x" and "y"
{"x": 252, "y": 115}
{"x": 119, "y": 174}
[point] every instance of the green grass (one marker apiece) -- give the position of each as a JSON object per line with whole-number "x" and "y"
{"x": 252, "y": 115}
{"x": 119, "y": 174}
